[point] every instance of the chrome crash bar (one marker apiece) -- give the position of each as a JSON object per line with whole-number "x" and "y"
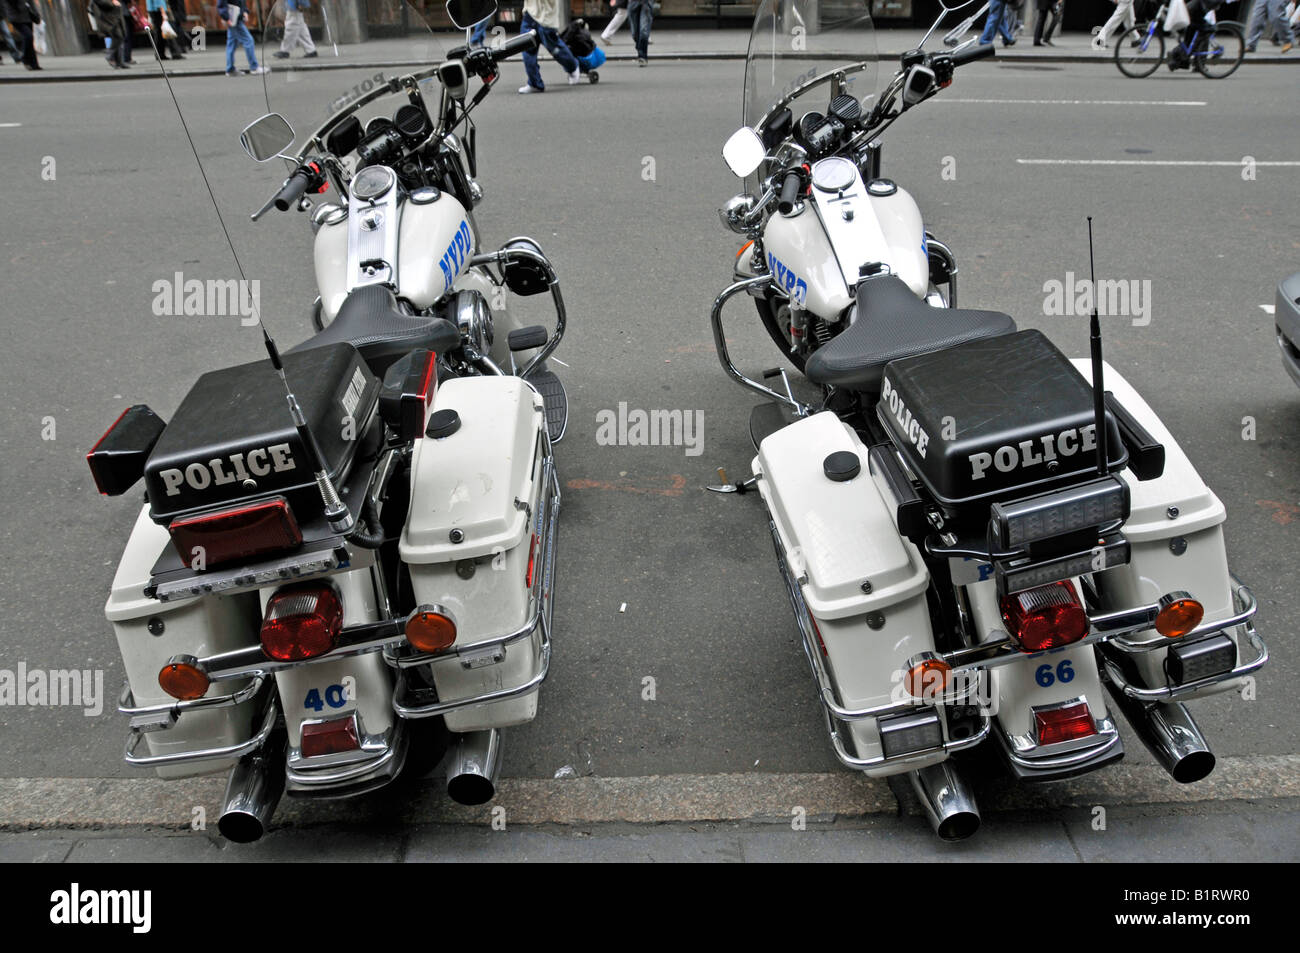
{"x": 720, "y": 344}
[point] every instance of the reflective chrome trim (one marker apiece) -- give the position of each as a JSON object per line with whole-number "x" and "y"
{"x": 835, "y": 713}
{"x": 127, "y": 706}
{"x": 1052, "y": 763}
{"x": 561, "y": 314}
{"x": 720, "y": 345}
{"x": 1245, "y": 600}
{"x": 375, "y": 771}
{"x": 203, "y": 754}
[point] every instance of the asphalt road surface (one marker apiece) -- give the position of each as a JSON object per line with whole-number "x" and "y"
{"x": 620, "y": 183}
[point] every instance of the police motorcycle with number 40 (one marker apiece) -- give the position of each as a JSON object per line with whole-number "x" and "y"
{"x": 983, "y": 541}
{"x": 343, "y": 571}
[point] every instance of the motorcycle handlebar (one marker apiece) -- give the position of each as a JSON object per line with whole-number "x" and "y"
{"x": 790, "y": 187}
{"x": 523, "y": 43}
{"x": 977, "y": 52}
{"x": 292, "y": 190}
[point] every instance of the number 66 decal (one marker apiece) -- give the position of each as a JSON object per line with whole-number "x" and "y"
{"x": 1045, "y": 677}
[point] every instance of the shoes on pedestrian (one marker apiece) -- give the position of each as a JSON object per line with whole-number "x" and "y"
{"x": 530, "y": 88}
{"x": 259, "y": 71}
{"x": 1038, "y": 42}
{"x": 1286, "y": 48}
{"x": 1010, "y": 42}
{"x": 232, "y": 72}
{"x": 575, "y": 77}
{"x": 1250, "y": 49}
{"x": 308, "y": 56}
{"x": 280, "y": 55}
{"x": 1047, "y": 42}
{"x": 641, "y": 61}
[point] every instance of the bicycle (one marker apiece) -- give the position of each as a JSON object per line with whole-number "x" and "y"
{"x": 1215, "y": 52}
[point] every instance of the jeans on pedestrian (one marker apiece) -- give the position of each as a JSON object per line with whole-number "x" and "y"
{"x": 296, "y": 32}
{"x": 641, "y": 14}
{"x": 996, "y": 22}
{"x": 478, "y": 37}
{"x": 239, "y": 34}
{"x": 554, "y": 45}
{"x": 1269, "y": 12}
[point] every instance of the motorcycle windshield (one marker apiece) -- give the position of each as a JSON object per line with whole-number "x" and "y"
{"x": 796, "y": 44}
{"x": 356, "y": 57}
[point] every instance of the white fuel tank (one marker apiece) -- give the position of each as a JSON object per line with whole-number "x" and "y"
{"x": 435, "y": 242}
{"x": 816, "y": 254}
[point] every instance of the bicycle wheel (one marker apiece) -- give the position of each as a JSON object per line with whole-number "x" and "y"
{"x": 1137, "y": 54}
{"x": 1223, "y": 52}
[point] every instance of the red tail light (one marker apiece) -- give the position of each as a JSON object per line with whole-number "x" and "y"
{"x": 239, "y": 533}
{"x": 301, "y": 622}
{"x": 1064, "y": 724}
{"x": 1045, "y": 618}
{"x": 330, "y": 737}
{"x": 532, "y": 553}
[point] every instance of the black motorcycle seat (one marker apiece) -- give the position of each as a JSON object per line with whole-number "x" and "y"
{"x": 892, "y": 322}
{"x": 371, "y": 321}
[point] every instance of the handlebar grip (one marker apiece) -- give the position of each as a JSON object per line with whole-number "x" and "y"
{"x": 292, "y": 190}
{"x": 790, "y": 186}
{"x": 977, "y": 52}
{"x": 523, "y": 43}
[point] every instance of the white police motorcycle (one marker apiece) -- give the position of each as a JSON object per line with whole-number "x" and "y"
{"x": 977, "y": 534}
{"x": 343, "y": 567}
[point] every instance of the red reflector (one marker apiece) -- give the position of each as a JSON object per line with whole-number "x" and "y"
{"x": 301, "y": 622}
{"x": 90, "y": 457}
{"x": 1064, "y": 724}
{"x": 1044, "y": 618}
{"x": 330, "y": 737}
{"x": 532, "y": 552}
{"x": 228, "y": 535}
{"x": 430, "y": 384}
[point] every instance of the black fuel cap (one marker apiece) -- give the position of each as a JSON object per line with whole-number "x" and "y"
{"x": 841, "y": 465}
{"x": 442, "y": 423}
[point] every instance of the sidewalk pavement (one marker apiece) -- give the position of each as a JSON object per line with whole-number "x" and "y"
{"x": 677, "y": 44}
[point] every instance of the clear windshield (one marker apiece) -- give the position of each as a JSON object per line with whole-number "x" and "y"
{"x": 794, "y": 43}
{"x": 354, "y": 57}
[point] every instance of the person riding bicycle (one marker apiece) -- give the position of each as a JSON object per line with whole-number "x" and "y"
{"x": 1197, "y": 10}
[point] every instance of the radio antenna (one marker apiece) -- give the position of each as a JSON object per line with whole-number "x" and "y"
{"x": 1098, "y": 385}
{"x": 336, "y": 511}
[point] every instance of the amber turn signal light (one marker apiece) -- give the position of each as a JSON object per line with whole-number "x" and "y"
{"x": 927, "y": 677}
{"x": 431, "y": 629}
{"x": 184, "y": 679}
{"x": 1179, "y": 614}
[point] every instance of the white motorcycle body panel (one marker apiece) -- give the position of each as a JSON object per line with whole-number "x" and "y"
{"x": 366, "y": 682}
{"x": 484, "y": 481}
{"x": 1153, "y": 569}
{"x": 200, "y": 626}
{"x": 817, "y": 253}
{"x": 835, "y": 537}
{"x": 435, "y": 243}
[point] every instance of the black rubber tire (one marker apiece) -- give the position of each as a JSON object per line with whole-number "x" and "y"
{"x": 1229, "y": 36}
{"x": 1124, "y": 49}
{"x": 595, "y": 77}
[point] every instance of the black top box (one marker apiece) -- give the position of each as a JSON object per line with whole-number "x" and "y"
{"x": 232, "y": 439}
{"x": 1004, "y": 413}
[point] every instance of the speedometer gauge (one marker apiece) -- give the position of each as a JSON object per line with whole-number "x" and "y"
{"x": 372, "y": 182}
{"x": 834, "y": 174}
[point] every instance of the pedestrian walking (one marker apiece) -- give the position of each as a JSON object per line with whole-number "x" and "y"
{"x": 544, "y": 17}
{"x": 1123, "y": 14}
{"x": 1269, "y": 13}
{"x": 161, "y": 22}
{"x": 295, "y": 30}
{"x": 1055, "y": 12}
{"x": 616, "y": 21}
{"x": 23, "y": 17}
{"x": 641, "y": 13}
{"x": 237, "y": 32}
{"x": 997, "y": 23}
{"x": 112, "y": 23}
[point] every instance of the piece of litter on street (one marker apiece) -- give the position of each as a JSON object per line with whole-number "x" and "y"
{"x": 623, "y": 607}
{"x": 1268, "y": 308}
{"x": 566, "y": 772}
{"x": 756, "y": 760}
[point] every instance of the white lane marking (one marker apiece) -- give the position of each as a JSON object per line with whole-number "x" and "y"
{"x": 1235, "y": 163}
{"x": 1268, "y": 308}
{"x": 9, "y": 125}
{"x": 1076, "y": 102}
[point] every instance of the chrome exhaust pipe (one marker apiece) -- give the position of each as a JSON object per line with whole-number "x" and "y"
{"x": 948, "y": 802}
{"x": 253, "y": 791}
{"x": 473, "y": 768}
{"x": 1171, "y": 734}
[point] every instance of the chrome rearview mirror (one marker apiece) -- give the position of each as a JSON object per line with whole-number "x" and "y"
{"x": 743, "y": 152}
{"x": 466, "y": 13}
{"x": 267, "y": 138}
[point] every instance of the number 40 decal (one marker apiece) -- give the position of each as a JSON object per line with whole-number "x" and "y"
{"x": 1044, "y": 676}
{"x": 335, "y": 697}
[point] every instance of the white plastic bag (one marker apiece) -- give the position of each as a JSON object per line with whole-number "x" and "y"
{"x": 38, "y": 39}
{"x": 1177, "y": 18}
{"x": 168, "y": 31}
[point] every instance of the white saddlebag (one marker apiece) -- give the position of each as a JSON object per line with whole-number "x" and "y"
{"x": 475, "y": 505}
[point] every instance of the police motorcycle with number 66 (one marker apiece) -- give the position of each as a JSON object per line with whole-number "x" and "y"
{"x": 984, "y": 542}
{"x": 342, "y": 573}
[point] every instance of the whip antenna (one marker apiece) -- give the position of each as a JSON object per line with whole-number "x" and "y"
{"x": 1098, "y": 386}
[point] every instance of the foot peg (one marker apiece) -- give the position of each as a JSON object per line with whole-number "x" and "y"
{"x": 525, "y": 339}
{"x": 556, "y": 400}
{"x": 744, "y": 486}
